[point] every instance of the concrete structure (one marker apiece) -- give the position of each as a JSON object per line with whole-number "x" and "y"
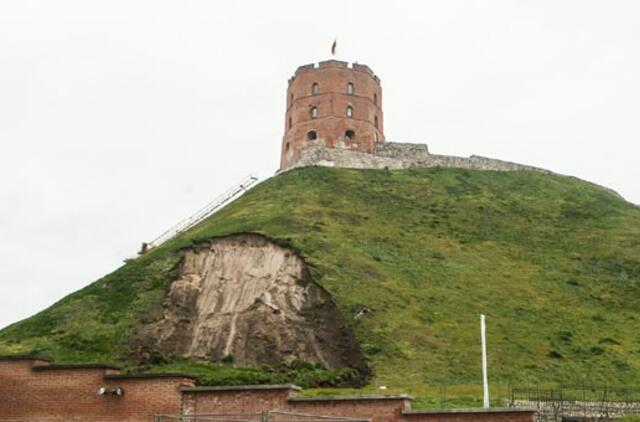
{"x": 334, "y": 104}
{"x": 35, "y": 390}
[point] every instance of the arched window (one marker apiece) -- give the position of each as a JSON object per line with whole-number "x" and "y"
{"x": 350, "y": 88}
{"x": 375, "y": 121}
{"x": 312, "y": 135}
{"x": 349, "y": 111}
{"x": 375, "y": 99}
{"x": 349, "y": 134}
{"x": 313, "y": 112}
{"x": 315, "y": 88}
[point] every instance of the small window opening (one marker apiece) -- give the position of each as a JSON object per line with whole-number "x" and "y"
{"x": 314, "y": 112}
{"x": 286, "y": 147}
{"x": 349, "y": 111}
{"x": 315, "y": 88}
{"x": 350, "y": 88}
{"x": 312, "y": 135}
{"x": 291, "y": 99}
{"x": 290, "y": 123}
{"x": 375, "y": 121}
{"x": 375, "y": 99}
{"x": 349, "y": 134}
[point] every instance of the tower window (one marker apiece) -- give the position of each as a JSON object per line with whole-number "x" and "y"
{"x": 349, "y": 134}
{"x": 315, "y": 88}
{"x": 375, "y": 121}
{"x": 312, "y": 135}
{"x": 375, "y": 99}
{"x": 349, "y": 111}
{"x": 290, "y": 123}
{"x": 313, "y": 112}
{"x": 350, "y": 88}
{"x": 291, "y": 99}
{"x": 286, "y": 147}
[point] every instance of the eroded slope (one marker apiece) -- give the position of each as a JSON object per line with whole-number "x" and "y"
{"x": 245, "y": 299}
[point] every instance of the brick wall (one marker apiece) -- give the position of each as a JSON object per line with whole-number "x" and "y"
{"x": 257, "y": 399}
{"x": 377, "y": 409}
{"x": 34, "y": 390}
{"x": 237, "y": 399}
{"x": 475, "y": 415}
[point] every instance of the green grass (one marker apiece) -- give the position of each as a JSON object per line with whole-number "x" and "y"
{"x": 302, "y": 374}
{"x": 552, "y": 261}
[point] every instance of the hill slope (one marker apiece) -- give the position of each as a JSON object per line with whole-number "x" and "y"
{"x": 552, "y": 261}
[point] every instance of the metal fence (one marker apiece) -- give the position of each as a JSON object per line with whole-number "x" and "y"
{"x": 577, "y": 403}
{"x": 575, "y": 393}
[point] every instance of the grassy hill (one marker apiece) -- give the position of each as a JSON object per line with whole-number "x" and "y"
{"x": 552, "y": 261}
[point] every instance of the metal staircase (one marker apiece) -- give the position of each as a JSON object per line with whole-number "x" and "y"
{"x": 201, "y": 214}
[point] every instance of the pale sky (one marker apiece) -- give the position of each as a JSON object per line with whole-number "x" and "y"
{"x": 120, "y": 118}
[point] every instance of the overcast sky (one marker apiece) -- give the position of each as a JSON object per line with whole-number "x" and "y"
{"x": 119, "y": 118}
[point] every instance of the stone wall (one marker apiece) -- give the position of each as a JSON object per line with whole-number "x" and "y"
{"x": 395, "y": 156}
{"x": 402, "y": 151}
{"x": 557, "y": 411}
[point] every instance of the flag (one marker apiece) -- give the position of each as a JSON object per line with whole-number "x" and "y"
{"x": 333, "y": 47}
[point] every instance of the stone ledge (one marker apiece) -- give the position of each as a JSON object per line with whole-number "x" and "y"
{"x": 350, "y": 398}
{"x": 467, "y": 410}
{"x": 241, "y": 388}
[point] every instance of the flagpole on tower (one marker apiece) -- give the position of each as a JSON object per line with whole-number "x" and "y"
{"x": 334, "y": 47}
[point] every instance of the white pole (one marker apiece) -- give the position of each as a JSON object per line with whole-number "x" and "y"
{"x": 485, "y": 377}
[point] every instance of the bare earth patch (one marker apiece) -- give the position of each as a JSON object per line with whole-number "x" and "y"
{"x": 243, "y": 296}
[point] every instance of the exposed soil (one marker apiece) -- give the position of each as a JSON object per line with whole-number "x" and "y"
{"x": 247, "y": 297}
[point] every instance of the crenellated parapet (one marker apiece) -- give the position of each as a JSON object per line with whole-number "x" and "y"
{"x": 335, "y": 64}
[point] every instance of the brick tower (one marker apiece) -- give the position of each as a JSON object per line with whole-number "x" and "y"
{"x": 332, "y": 104}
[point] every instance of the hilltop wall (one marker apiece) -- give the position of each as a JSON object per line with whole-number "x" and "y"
{"x": 398, "y": 156}
{"x": 394, "y": 156}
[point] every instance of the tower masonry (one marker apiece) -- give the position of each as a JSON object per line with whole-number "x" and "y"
{"x": 333, "y": 104}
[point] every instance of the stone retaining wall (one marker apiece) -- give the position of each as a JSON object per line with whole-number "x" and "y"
{"x": 557, "y": 411}
{"x": 396, "y": 156}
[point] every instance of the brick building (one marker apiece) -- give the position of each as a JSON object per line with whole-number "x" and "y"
{"x": 333, "y": 104}
{"x": 32, "y": 389}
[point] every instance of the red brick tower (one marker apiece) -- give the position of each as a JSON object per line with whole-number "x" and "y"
{"x": 332, "y": 104}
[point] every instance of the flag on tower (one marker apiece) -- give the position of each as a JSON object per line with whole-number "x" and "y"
{"x": 333, "y": 47}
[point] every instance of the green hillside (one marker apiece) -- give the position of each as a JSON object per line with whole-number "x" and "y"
{"x": 552, "y": 261}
